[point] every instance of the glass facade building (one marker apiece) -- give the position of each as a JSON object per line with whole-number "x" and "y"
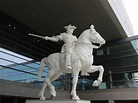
{"x": 20, "y": 59}
{"x": 19, "y": 55}
{"x": 120, "y": 61}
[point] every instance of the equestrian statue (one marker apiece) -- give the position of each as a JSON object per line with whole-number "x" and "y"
{"x": 76, "y": 56}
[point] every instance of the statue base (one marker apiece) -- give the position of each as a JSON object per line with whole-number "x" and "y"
{"x": 57, "y": 101}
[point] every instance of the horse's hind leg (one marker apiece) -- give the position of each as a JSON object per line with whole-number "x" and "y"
{"x": 48, "y": 81}
{"x": 55, "y": 76}
{"x": 94, "y": 69}
{"x": 41, "y": 93}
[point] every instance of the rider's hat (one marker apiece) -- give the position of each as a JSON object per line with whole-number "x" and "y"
{"x": 70, "y": 27}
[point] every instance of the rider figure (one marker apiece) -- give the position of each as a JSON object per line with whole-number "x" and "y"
{"x": 69, "y": 41}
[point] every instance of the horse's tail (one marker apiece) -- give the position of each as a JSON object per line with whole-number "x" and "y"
{"x": 41, "y": 69}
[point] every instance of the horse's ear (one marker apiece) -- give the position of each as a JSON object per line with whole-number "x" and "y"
{"x": 92, "y": 27}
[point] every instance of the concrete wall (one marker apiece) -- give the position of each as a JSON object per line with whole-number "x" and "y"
{"x": 9, "y": 88}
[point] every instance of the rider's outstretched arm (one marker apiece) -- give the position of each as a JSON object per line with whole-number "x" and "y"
{"x": 54, "y": 38}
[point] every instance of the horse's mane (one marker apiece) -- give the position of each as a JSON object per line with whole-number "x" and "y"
{"x": 82, "y": 35}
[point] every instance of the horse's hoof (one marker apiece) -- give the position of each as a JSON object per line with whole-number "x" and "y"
{"x": 73, "y": 93}
{"x": 42, "y": 98}
{"x": 53, "y": 93}
{"x": 75, "y": 98}
{"x": 96, "y": 82}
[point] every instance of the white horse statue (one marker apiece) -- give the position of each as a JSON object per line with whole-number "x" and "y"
{"x": 81, "y": 60}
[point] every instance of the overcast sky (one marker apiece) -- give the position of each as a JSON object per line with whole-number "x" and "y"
{"x": 132, "y": 10}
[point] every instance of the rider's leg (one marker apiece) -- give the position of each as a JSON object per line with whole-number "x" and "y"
{"x": 68, "y": 61}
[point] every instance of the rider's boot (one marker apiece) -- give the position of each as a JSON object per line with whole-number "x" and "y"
{"x": 68, "y": 62}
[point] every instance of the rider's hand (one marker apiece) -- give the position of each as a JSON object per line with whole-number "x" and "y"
{"x": 29, "y": 33}
{"x": 46, "y": 38}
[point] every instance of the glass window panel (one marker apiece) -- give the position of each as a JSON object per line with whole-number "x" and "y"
{"x": 14, "y": 75}
{"x": 114, "y": 63}
{"x": 130, "y": 60}
{"x": 99, "y": 52}
{"x": 120, "y": 48}
{"x": 104, "y": 64}
{"x": 6, "y": 72}
{"x": 23, "y": 68}
{"x": 135, "y": 44}
{"x": 34, "y": 65}
{"x": 12, "y": 53}
{"x": 11, "y": 56}
{"x": 4, "y": 62}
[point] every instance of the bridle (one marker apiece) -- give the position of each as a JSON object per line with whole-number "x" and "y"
{"x": 88, "y": 44}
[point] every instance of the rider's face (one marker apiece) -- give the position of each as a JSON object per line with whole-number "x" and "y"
{"x": 70, "y": 31}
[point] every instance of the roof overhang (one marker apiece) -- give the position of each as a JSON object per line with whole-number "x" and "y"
{"x": 48, "y": 17}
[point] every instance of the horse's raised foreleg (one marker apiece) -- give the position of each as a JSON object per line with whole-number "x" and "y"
{"x": 94, "y": 69}
{"x": 75, "y": 81}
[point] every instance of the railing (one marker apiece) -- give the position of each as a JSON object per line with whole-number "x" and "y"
{"x": 133, "y": 83}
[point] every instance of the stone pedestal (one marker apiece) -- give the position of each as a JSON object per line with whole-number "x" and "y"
{"x": 57, "y": 101}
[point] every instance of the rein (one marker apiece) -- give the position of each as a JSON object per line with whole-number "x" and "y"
{"x": 88, "y": 44}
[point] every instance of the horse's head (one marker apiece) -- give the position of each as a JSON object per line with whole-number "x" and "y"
{"x": 95, "y": 37}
